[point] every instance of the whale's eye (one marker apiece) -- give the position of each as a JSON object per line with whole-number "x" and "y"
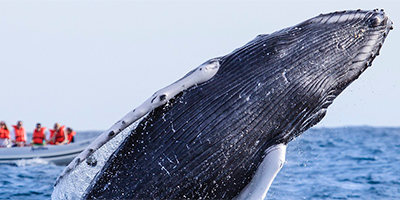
{"x": 375, "y": 21}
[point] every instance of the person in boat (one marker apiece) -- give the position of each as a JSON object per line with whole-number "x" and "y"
{"x": 19, "y": 134}
{"x": 70, "y": 133}
{"x": 5, "y": 139}
{"x": 57, "y": 135}
{"x": 39, "y": 135}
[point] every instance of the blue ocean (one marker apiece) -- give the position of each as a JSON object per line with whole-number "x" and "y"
{"x": 323, "y": 163}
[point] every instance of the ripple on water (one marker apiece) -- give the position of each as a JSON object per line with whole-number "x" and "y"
{"x": 32, "y": 181}
{"x": 345, "y": 163}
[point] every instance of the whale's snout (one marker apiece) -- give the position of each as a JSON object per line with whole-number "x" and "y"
{"x": 380, "y": 18}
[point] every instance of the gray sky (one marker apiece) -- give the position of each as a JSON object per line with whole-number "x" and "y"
{"x": 86, "y": 64}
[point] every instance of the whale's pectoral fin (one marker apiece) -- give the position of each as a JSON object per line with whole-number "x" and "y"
{"x": 199, "y": 75}
{"x": 265, "y": 174}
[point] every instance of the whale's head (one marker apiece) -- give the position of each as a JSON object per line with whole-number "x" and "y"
{"x": 340, "y": 47}
{"x": 311, "y": 62}
{"x": 345, "y": 43}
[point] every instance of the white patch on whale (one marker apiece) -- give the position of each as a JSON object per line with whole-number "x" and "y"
{"x": 75, "y": 184}
{"x": 199, "y": 75}
{"x": 265, "y": 174}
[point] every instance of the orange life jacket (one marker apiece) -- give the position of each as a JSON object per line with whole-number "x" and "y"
{"x": 19, "y": 134}
{"x": 59, "y": 135}
{"x": 51, "y": 136}
{"x": 4, "y": 133}
{"x": 39, "y": 136}
{"x": 71, "y": 136}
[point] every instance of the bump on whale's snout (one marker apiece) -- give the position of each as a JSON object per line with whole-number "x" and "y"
{"x": 380, "y": 19}
{"x": 379, "y": 24}
{"x": 377, "y": 20}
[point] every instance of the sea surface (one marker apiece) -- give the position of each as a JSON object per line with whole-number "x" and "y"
{"x": 323, "y": 163}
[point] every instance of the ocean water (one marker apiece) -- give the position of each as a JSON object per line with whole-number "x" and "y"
{"x": 32, "y": 179}
{"x": 334, "y": 163}
{"x": 341, "y": 163}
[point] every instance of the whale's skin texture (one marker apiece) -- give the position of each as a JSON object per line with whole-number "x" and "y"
{"x": 208, "y": 141}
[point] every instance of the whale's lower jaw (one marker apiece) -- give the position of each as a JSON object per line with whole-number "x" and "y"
{"x": 225, "y": 136}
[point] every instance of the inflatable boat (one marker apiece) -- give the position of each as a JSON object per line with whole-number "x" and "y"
{"x": 57, "y": 154}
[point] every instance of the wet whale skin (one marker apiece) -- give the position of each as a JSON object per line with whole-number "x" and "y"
{"x": 208, "y": 141}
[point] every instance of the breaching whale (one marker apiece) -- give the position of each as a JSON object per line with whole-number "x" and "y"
{"x": 221, "y": 131}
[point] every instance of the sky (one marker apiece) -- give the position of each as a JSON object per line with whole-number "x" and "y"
{"x": 85, "y": 64}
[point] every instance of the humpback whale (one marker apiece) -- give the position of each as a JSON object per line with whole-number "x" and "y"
{"x": 221, "y": 131}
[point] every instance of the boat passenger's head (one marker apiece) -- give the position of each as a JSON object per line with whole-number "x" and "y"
{"x": 3, "y": 125}
{"x": 56, "y": 126}
{"x": 19, "y": 124}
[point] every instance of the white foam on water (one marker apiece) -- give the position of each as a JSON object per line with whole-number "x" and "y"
{"x": 29, "y": 162}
